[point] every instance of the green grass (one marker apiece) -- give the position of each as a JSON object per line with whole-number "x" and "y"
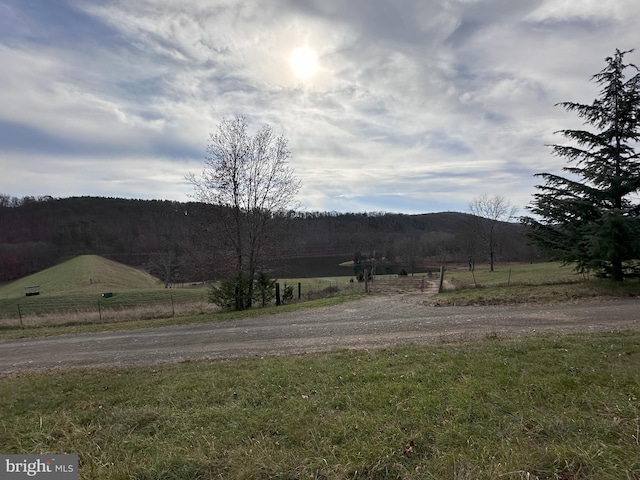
{"x": 76, "y": 286}
{"x": 513, "y": 274}
{"x": 82, "y": 274}
{"x": 544, "y": 283}
{"x": 78, "y": 302}
{"x": 321, "y": 286}
{"x": 549, "y": 407}
{"x": 72, "y": 292}
{"x": 71, "y": 302}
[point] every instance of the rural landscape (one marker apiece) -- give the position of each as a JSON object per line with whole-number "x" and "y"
{"x": 454, "y": 404}
{"x": 239, "y": 335}
{"x": 543, "y": 400}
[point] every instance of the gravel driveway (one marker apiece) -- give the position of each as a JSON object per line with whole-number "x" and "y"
{"x": 375, "y": 321}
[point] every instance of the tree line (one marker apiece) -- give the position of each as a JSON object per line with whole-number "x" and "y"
{"x": 181, "y": 241}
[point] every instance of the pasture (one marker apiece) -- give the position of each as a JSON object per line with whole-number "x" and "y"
{"x": 539, "y": 283}
{"x": 75, "y": 289}
{"x": 545, "y": 273}
{"x": 71, "y": 299}
{"x": 73, "y": 292}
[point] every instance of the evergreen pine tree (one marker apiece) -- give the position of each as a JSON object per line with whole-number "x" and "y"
{"x": 591, "y": 216}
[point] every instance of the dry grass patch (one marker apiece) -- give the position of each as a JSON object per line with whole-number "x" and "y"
{"x": 110, "y": 315}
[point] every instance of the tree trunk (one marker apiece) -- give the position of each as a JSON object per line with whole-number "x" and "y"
{"x": 250, "y": 280}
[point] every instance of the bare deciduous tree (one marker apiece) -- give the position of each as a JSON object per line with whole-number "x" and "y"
{"x": 250, "y": 177}
{"x": 488, "y": 212}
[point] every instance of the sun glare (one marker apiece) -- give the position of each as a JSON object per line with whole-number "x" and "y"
{"x": 304, "y": 62}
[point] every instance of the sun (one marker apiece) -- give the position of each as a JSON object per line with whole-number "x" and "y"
{"x": 304, "y": 62}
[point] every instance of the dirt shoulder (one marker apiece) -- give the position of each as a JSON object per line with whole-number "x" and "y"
{"x": 375, "y": 321}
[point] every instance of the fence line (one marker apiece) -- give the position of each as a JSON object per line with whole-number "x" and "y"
{"x": 89, "y": 309}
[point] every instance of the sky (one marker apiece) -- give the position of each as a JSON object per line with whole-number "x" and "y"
{"x": 415, "y": 106}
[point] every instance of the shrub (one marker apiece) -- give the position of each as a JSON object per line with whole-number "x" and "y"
{"x": 264, "y": 289}
{"x": 287, "y": 294}
{"x": 231, "y": 293}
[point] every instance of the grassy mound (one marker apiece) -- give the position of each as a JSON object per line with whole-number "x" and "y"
{"x": 83, "y": 274}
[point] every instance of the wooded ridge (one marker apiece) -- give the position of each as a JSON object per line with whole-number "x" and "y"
{"x": 36, "y": 233}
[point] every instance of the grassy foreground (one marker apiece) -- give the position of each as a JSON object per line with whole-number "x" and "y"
{"x": 540, "y": 407}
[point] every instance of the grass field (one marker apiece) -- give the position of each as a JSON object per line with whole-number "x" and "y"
{"x": 542, "y": 283}
{"x": 69, "y": 308}
{"x": 77, "y": 304}
{"x": 72, "y": 292}
{"x": 542, "y": 407}
{"x": 149, "y": 316}
{"x": 513, "y": 274}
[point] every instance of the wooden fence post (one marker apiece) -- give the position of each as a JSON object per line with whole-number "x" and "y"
{"x": 441, "y": 279}
{"x": 366, "y": 281}
{"x": 277, "y": 293}
{"x": 238, "y": 298}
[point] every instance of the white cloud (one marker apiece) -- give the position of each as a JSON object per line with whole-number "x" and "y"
{"x": 128, "y": 177}
{"x": 421, "y": 104}
{"x": 596, "y": 10}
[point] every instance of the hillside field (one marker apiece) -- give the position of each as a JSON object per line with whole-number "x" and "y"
{"x": 72, "y": 292}
{"x": 83, "y": 274}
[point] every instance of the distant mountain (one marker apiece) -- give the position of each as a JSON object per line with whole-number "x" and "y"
{"x": 36, "y": 233}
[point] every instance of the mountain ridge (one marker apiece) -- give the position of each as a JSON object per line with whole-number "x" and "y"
{"x": 38, "y": 233}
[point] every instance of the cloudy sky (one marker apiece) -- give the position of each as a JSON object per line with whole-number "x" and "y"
{"x": 415, "y": 105}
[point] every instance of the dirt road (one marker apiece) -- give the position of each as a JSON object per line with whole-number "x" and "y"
{"x": 369, "y": 322}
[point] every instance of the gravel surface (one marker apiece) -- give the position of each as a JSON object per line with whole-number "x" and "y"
{"x": 375, "y": 321}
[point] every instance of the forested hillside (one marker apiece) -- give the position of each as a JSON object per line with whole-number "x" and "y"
{"x": 178, "y": 241}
